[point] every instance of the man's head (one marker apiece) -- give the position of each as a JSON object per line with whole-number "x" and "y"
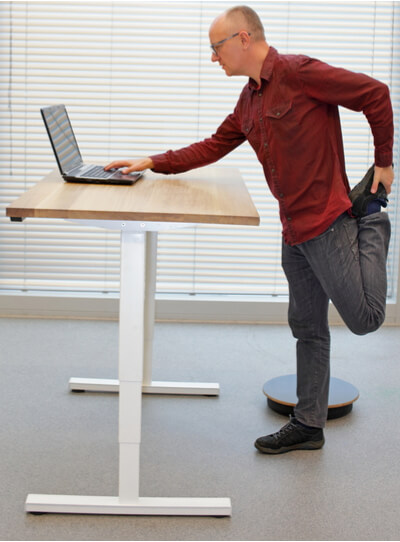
{"x": 236, "y": 37}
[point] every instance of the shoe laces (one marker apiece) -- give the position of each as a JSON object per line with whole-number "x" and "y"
{"x": 285, "y": 430}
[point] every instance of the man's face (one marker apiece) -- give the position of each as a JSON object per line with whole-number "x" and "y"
{"x": 227, "y": 53}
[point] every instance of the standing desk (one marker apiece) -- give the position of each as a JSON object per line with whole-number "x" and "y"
{"x": 209, "y": 195}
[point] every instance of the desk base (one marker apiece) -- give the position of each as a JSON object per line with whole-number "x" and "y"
{"x": 167, "y": 388}
{"x": 153, "y": 506}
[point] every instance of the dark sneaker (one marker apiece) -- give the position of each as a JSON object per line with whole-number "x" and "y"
{"x": 361, "y": 195}
{"x": 292, "y": 436}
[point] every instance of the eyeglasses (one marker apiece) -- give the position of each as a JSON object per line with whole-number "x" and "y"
{"x": 214, "y": 46}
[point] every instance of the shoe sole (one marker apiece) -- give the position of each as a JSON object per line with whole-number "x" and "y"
{"x": 310, "y": 445}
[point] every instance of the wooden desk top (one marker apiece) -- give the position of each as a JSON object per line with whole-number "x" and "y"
{"x": 211, "y": 195}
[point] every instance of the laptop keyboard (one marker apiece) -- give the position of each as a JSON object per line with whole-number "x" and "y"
{"x": 98, "y": 173}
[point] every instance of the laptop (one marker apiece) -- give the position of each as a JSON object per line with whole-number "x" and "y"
{"x": 68, "y": 156}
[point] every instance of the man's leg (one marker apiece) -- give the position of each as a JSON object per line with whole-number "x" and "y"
{"x": 349, "y": 260}
{"x": 346, "y": 264}
{"x": 308, "y": 320}
{"x": 349, "y": 263}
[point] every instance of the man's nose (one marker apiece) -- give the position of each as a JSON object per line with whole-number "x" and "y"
{"x": 214, "y": 57}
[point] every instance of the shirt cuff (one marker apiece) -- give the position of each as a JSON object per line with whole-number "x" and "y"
{"x": 161, "y": 163}
{"x": 383, "y": 159}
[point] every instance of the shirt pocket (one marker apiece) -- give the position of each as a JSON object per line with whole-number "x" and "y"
{"x": 279, "y": 111}
{"x": 281, "y": 124}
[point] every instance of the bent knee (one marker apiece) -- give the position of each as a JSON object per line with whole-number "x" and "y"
{"x": 366, "y": 326}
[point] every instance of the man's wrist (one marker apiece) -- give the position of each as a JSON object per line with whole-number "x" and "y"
{"x": 149, "y": 163}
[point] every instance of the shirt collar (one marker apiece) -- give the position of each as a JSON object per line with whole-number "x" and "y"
{"x": 266, "y": 70}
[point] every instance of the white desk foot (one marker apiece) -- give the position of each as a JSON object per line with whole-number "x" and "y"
{"x": 94, "y": 384}
{"x": 153, "y": 506}
{"x": 166, "y": 388}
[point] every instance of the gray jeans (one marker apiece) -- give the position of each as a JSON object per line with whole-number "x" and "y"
{"x": 347, "y": 264}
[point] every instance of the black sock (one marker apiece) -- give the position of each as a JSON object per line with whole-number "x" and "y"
{"x": 375, "y": 205}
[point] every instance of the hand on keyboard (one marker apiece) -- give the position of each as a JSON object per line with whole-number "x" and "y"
{"x": 130, "y": 166}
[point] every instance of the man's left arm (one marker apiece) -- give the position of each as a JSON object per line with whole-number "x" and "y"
{"x": 358, "y": 92}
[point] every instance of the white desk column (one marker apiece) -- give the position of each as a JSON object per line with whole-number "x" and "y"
{"x": 131, "y": 352}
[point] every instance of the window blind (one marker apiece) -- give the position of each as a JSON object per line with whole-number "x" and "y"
{"x": 137, "y": 79}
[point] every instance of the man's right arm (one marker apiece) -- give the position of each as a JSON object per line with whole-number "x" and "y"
{"x": 227, "y": 137}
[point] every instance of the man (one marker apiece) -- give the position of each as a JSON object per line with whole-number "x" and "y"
{"x": 334, "y": 244}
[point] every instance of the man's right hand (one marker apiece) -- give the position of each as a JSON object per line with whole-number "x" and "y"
{"x": 131, "y": 165}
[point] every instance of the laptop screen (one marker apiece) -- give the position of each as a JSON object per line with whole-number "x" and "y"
{"x": 62, "y": 137}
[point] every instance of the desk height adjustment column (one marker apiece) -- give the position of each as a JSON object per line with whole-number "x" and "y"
{"x": 130, "y": 365}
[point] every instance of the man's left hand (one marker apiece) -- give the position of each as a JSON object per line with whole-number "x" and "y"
{"x": 384, "y": 175}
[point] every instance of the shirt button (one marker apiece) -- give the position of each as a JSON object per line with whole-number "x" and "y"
{"x": 265, "y": 144}
{"x": 272, "y": 170}
{"x": 281, "y": 195}
{"x": 289, "y": 218}
{"x": 260, "y": 94}
{"x": 277, "y": 113}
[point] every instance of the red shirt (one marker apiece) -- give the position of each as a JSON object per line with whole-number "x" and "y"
{"x": 292, "y": 122}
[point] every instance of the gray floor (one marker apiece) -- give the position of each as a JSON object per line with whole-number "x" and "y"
{"x": 53, "y": 441}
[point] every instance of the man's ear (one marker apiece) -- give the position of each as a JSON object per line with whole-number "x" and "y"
{"x": 244, "y": 39}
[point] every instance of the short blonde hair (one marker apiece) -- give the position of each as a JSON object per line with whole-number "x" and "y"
{"x": 255, "y": 26}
